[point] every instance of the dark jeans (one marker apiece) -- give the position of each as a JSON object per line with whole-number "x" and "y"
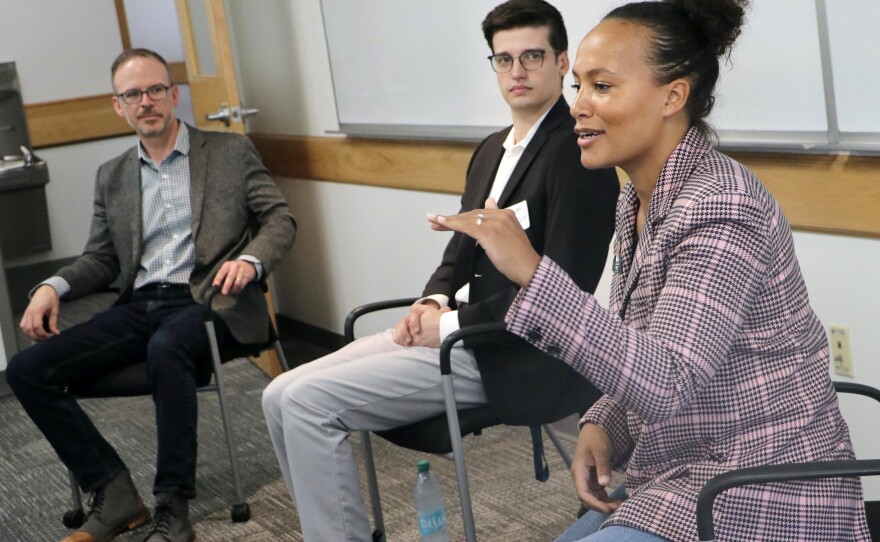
{"x": 162, "y": 326}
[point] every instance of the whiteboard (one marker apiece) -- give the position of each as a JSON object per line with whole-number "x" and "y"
{"x": 855, "y": 55}
{"x": 773, "y": 81}
{"x": 419, "y": 69}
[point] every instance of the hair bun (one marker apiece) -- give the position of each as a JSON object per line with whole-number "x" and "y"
{"x": 720, "y": 21}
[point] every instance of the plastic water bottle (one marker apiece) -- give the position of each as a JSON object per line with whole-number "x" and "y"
{"x": 428, "y": 498}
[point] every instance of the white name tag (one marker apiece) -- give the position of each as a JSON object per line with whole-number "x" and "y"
{"x": 521, "y": 210}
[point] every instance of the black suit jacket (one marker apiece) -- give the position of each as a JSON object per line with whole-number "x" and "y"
{"x": 571, "y": 212}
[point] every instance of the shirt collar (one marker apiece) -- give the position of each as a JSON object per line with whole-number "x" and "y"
{"x": 181, "y": 144}
{"x": 509, "y": 145}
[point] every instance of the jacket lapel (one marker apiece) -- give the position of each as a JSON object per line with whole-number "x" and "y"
{"x": 623, "y": 279}
{"x": 198, "y": 175}
{"x": 488, "y": 169}
{"x": 676, "y": 171}
{"x": 130, "y": 203}
{"x": 551, "y": 121}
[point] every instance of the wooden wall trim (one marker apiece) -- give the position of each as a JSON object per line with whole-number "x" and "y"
{"x": 824, "y": 193}
{"x": 410, "y": 165}
{"x": 76, "y": 120}
{"x": 72, "y": 121}
{"x": 832, "y": 194}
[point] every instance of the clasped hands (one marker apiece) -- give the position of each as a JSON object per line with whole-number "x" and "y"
{"x": 421, "y": 327}
{"x": 501, "y": 236}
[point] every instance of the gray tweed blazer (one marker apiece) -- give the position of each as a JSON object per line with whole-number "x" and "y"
{"x": 236, "y": 209}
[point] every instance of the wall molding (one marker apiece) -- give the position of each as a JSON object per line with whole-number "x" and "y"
{"x": 72, "y": 121}
{"x": 76, "y": 120}
{"x": 430, "y": 166}
{"x": 836, "y": 194}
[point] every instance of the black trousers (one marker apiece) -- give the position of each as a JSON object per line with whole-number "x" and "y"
{"x": 163, "y": 326}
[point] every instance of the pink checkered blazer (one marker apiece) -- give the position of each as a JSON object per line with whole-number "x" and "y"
{"x": 710, "y": 358}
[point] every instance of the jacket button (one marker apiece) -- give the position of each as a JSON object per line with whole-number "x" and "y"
{"x": 534, "y": 336}
{"x": 553, "y": 350}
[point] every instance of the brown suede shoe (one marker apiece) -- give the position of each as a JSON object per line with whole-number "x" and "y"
{"x": 114, "y": 509}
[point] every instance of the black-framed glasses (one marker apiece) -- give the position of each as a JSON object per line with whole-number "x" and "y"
{"x": 134, "y": 95}
{"x": 531, "y": 59}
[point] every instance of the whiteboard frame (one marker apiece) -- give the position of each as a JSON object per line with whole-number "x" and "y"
{"x": 830, "y": 141}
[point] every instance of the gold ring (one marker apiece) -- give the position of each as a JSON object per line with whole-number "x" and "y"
{"x": 480, "y": 218}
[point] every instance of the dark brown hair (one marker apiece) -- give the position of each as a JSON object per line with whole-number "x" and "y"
{"x": 526, "y": 14}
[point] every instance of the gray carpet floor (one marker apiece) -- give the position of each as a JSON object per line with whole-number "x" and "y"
{"x": 509, "y": 505}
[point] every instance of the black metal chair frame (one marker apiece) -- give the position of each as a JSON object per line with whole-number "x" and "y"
{"x": 459, "y": 422}
{"x": 784, "y": 472}
{"x": 132, "y": 381}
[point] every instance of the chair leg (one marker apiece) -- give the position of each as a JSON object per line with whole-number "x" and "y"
{"x": 74, "y": 517}
{"x": 464, "y": 495}
{"x": 373, "y": 485}
{"x": 280, "y": 353}
{"x": 240, "y": 509}
{"x": 560, "y": 447}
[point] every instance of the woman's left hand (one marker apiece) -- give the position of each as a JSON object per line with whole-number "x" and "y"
{"x": 501, "y": 236}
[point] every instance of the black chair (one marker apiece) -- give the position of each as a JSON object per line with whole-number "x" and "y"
{"x": 132, "y": 381}
{"x": 783, "y": 472}
{"x": 443, "y": 434}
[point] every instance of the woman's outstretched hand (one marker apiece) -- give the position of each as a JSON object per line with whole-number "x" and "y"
{"x": 501, "y": 236}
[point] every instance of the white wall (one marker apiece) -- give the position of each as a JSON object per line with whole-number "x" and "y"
{"x": 843, "y": 279}
{"x": 57, "y": 60}
{"x": 59, "y": 53}
{"x": 355, "y": 244}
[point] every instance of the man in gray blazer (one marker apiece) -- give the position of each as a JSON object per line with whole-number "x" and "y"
{"x": 182, "y": 211}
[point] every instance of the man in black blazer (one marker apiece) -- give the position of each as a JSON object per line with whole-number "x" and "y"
{"x": 181, "y": 211}
{"x": 392, "y": 379}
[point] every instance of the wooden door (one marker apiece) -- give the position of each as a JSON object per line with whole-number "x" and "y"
{"x": 209, "y": 65}
{"x": 216, "y": 104}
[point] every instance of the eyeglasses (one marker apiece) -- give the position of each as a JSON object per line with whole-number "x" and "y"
{"x": 134, "y": 95}
{"x": 530, "y": 60}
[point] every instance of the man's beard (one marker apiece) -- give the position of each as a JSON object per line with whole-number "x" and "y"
{"x": 148, "y": 130}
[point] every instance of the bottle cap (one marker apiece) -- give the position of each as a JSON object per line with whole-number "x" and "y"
{"x": 424, "y": 465}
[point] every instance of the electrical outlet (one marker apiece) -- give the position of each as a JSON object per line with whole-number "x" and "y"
{"x": 841, "y": 354}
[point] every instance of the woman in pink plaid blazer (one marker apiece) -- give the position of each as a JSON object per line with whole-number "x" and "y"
{"x": 709, "y": 356}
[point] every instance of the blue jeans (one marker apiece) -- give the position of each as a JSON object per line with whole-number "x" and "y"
{"x": 165, "y": 328}
{"x": 587, "y": 527}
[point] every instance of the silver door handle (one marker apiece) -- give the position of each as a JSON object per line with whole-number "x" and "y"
{"x": 228, "y": 115}
{"x": 223, "y": 115}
